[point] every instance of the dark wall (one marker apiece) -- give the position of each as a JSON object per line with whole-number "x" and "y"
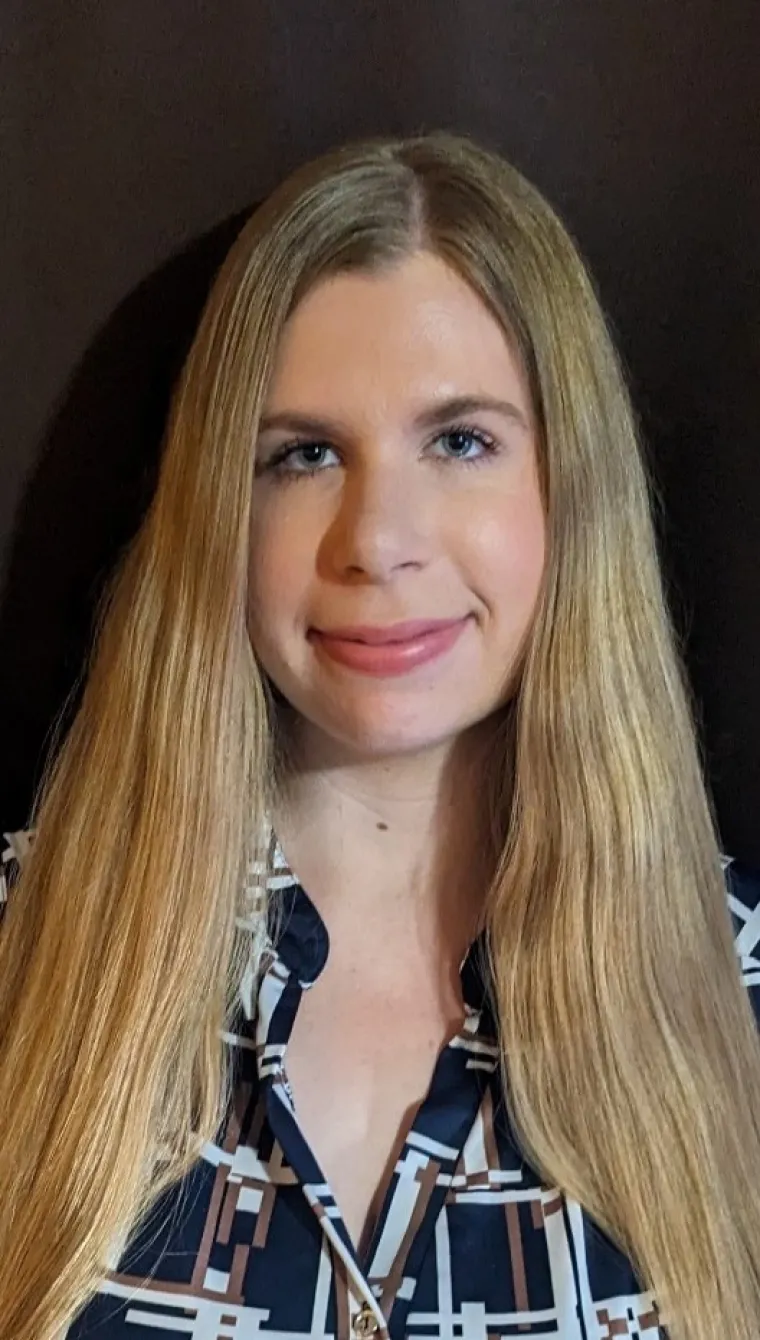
{"x": 135, "y": 134}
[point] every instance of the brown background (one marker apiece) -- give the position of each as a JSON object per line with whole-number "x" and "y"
{"x": 135, "y": 134}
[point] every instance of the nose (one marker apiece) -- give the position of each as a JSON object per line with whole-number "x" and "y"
{"x": 381, "y": 525}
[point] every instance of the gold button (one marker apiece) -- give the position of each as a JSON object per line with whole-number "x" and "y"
{"x": 365, "y": 1322}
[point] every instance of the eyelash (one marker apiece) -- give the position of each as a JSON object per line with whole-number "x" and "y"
{"x": 278, "y": 463}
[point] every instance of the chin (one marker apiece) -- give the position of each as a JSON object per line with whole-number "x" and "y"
{"x": 381, "y": 723}
{"x": 393, "y": 734}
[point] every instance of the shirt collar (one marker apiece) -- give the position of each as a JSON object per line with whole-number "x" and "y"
{"x": 299, "y": 936}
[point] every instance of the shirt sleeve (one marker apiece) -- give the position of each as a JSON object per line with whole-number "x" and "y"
{"x": 743, "y": 888}
{"x": 13, "y": 849}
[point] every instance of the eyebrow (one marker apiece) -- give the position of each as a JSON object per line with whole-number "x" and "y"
{"x": 433, "y": 416}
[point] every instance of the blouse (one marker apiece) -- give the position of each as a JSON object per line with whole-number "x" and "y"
{"x": 470, "y": 1243}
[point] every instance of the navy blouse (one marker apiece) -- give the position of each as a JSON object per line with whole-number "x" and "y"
{"x": 470, "y": 1243}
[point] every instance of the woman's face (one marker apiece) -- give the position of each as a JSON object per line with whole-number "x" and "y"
{"x": 397, "y": 534}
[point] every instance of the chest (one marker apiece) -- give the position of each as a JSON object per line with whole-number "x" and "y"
{"x": 359, "y": 1063}
{"x": 469, "y": 1234}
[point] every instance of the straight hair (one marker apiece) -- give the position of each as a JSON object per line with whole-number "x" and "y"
{"x": 630, "y": 1055}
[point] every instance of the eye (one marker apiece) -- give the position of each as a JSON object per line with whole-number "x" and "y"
{"x": 300, "y": 458}
{"x": 462, "y": 443}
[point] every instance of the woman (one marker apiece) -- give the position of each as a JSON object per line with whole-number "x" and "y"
{"x": 394, "y": 622}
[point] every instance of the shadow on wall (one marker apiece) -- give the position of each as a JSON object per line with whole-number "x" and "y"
{"x": 94, "y": 478}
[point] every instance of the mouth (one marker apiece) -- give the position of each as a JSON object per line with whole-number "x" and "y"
{"x": 381, "y": 636}
{"x": 394, "y": 649}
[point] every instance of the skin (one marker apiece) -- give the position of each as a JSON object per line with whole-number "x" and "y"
{"x": 373, "y": 520}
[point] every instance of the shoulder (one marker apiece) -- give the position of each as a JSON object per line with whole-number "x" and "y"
{"x": 13, "y": 849}
{"x": 743, "y": 891}
{"x": 742, "y": 894}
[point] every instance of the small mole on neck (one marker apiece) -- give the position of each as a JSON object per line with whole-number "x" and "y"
{"x": 383, "y": 827}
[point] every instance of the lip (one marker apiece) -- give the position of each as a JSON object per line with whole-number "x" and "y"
{"x": 391, "y": 650}
{"x": 375, "y": 636}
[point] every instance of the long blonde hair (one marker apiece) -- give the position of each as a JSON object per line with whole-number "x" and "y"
{"x": 631, "y": 1062}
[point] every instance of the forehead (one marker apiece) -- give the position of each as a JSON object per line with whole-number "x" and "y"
{"x": 416, "y": 329}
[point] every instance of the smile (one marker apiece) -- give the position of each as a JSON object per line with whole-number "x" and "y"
{"x": 393, "y": 650}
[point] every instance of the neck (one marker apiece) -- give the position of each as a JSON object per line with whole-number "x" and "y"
{"x": 396, "y": 842}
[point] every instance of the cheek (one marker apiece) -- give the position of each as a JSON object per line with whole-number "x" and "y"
{"x": 507, "y": 545}
{"x": 280, "y": 566}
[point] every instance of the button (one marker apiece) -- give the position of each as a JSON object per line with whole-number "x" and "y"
{"x": 365, "y": 1322}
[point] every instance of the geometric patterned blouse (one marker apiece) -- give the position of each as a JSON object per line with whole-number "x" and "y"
{"x": 470, "y": 1244}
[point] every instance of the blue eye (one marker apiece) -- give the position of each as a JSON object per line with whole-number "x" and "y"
{"x": 459, "y": 442}
{"x": 300, "y": 458}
